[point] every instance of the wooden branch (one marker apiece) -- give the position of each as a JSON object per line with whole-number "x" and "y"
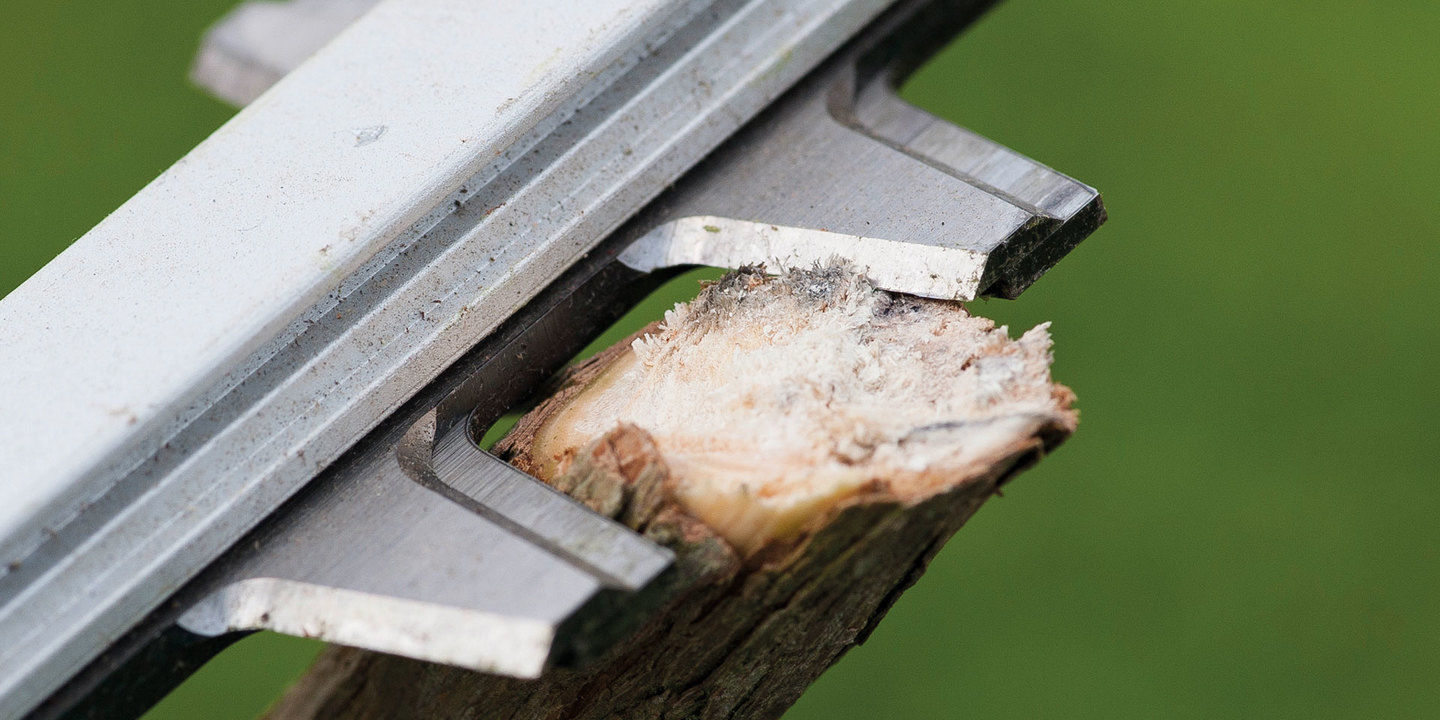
{"x": 851, "y": 432}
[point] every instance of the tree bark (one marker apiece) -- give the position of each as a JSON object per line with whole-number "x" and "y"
{"x": 749, "y": 631}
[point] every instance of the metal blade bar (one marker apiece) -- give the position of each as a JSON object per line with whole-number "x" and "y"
{"x": 137, "y": 669}
{"x": 220, "y": 430}
{"x": 257, "y": 43}
{"x": 377, "y": 560}
{"x": 847, "y": 173}
{"x": 844, "y": 168}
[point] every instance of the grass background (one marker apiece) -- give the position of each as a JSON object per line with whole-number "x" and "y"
{"x": 1245, "y": 524}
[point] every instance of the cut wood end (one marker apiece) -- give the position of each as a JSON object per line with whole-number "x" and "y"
{"x": 804, "y": 443}
{"x": 774, "y": 400}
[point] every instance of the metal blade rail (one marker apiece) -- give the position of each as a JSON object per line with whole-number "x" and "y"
{"x": 195, "y": 359}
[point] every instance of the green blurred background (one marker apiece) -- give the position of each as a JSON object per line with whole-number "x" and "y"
{"x": 1245, "y": 524}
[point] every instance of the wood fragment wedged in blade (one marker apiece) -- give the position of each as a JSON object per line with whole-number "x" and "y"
{"x": 747, "y": 635}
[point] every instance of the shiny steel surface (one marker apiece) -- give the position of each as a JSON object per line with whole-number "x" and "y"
{"x": 261, "y": 41}
{"x": 199, "y": 356}
{"x": 376, "y": 560}
{"x": 844, "y": 168}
